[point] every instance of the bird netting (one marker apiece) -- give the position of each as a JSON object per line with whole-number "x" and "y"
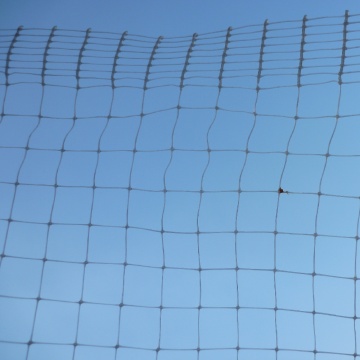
{"x": 192, "y": 197}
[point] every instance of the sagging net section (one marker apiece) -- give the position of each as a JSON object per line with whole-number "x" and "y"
{"x": 187, "y": 198}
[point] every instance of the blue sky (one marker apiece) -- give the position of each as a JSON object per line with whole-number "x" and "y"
{"x": 162, "y": 17}
{"x": 98, "y": 255}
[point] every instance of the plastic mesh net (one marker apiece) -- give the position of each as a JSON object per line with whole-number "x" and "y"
{"x": 180, "y": 198}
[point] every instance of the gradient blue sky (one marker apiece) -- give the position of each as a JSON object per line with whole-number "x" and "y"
{"x": 162, "y": 17}
{"x": 56, "y": 321}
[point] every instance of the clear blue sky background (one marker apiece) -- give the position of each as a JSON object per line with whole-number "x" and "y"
{"x": 222, "y": 288}
{"x": 162, "y": 17}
